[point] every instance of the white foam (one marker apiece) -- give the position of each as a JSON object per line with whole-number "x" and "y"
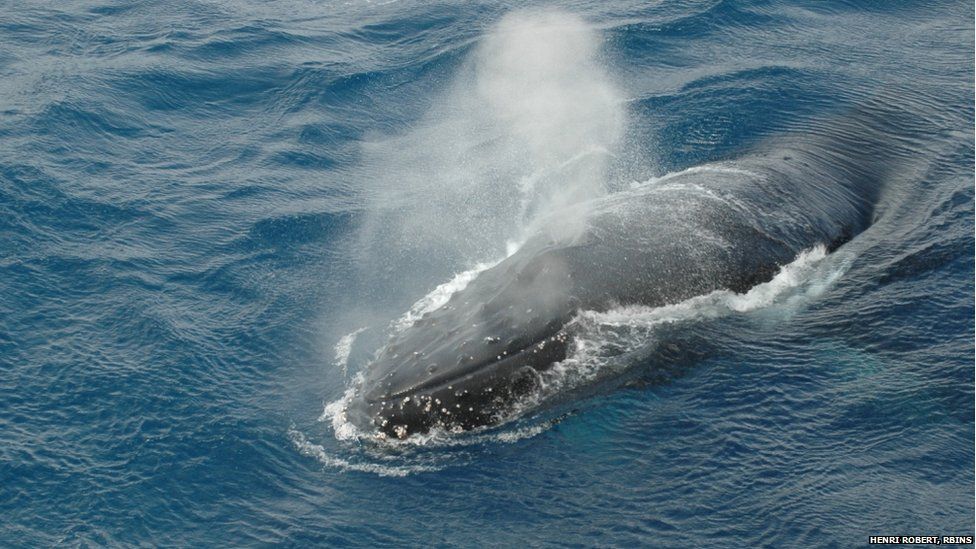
{"x": 343, "y": 348}
{"x": 603, "y": 341}
{"x": 709, "y": 168}
{"x": 335, "y": 412}
{"x": 439, "y": 296}
{"x": 439, "y": 437}
{"x": 317, "y": 451}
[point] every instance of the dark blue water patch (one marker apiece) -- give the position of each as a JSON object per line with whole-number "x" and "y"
{"x": 852, "y": 7}
{"x": 40, "y": 202}
{"x": 429, "y": 21}
{"x": 929, "y": 258}
{"x": 294, "y": 230}
{"x": 776, "y": 97}
{"x": 302, "y": 160}
{"x": 185, "y": 91}
{"x": 723, "y": 17}
{"x": 245, "y": 41}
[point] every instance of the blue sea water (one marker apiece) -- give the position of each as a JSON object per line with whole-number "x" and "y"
{"x": 211, "y": 212}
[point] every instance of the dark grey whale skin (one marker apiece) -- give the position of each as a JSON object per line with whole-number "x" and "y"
{"x": 728, "y": 225}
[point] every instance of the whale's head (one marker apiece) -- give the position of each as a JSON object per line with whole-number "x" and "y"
{"x": 412, "y": 398}
{"x": 463, "y": 364}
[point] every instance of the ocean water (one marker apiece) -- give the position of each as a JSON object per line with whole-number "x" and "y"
{"x": 212, "y": 215}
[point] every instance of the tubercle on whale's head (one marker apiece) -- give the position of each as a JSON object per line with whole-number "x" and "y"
{"x": 444, "y": 408}
{"x": 480, "y": 398}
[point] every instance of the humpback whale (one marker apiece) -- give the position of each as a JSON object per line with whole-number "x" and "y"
{"x": 727, "y": 225}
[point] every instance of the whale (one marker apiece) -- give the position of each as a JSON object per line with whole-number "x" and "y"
{"x": 724, "y": 225}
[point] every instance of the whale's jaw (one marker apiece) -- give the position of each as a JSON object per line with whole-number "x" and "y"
{"x": 482, "y": 396}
